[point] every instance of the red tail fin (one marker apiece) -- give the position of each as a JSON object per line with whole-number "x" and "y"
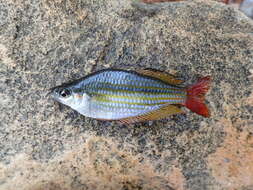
{"x": 195, "y": 97}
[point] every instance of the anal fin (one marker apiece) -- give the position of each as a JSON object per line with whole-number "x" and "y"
{"x": 165, "y": 77}
{"x": 153, "y": 115}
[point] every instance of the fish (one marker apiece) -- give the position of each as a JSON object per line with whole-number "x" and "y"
{"x": 132, "y": 96}
{"x": 246, "y": 6}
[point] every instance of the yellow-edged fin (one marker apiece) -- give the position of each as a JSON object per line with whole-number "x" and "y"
{"x": 165, "y": 77}
{"x": 153, "y": 115}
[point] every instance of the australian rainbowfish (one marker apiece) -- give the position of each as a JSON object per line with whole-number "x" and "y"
{"x": 131, "y": 96}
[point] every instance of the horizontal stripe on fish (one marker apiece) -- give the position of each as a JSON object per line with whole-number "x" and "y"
{"x": 135, "y": 83}
{"x": 164, "y": 88}
{"x": 123, "y": 107}
{"x": 129, "y": 93}
{"x": 139, "y": 96}
{"x": 114, "y": 87}
{"x": 140, "y": 99}
{"x": 123, "y": 102}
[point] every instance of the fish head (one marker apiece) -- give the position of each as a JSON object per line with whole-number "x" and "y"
{"x": 67, "y": 96}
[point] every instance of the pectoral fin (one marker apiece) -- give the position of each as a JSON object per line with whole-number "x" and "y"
{"x": 153, "y": 115}
{"x": 165, "y": 77}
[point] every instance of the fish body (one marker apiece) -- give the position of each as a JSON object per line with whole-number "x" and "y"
{"x": 247, "y": 7}
{"x": 114, "y": 94}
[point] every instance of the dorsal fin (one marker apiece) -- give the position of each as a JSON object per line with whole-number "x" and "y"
{"x": 153, "y": 115}
{"x": 165, "y": 77}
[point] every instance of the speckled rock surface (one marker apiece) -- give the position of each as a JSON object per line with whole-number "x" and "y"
{"x": 43, "y": 145}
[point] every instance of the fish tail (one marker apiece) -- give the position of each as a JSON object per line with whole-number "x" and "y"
{"x": 195, "y": 96}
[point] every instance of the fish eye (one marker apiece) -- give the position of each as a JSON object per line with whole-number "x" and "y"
{"x": 64, "y": 93}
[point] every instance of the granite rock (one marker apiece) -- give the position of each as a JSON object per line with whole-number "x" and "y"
{"x": 44, "y": 145}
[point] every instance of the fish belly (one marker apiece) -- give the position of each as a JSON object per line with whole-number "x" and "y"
{"x": 117, "y": 112}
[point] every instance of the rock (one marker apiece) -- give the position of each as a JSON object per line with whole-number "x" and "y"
{"x": 47, "y": 146}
